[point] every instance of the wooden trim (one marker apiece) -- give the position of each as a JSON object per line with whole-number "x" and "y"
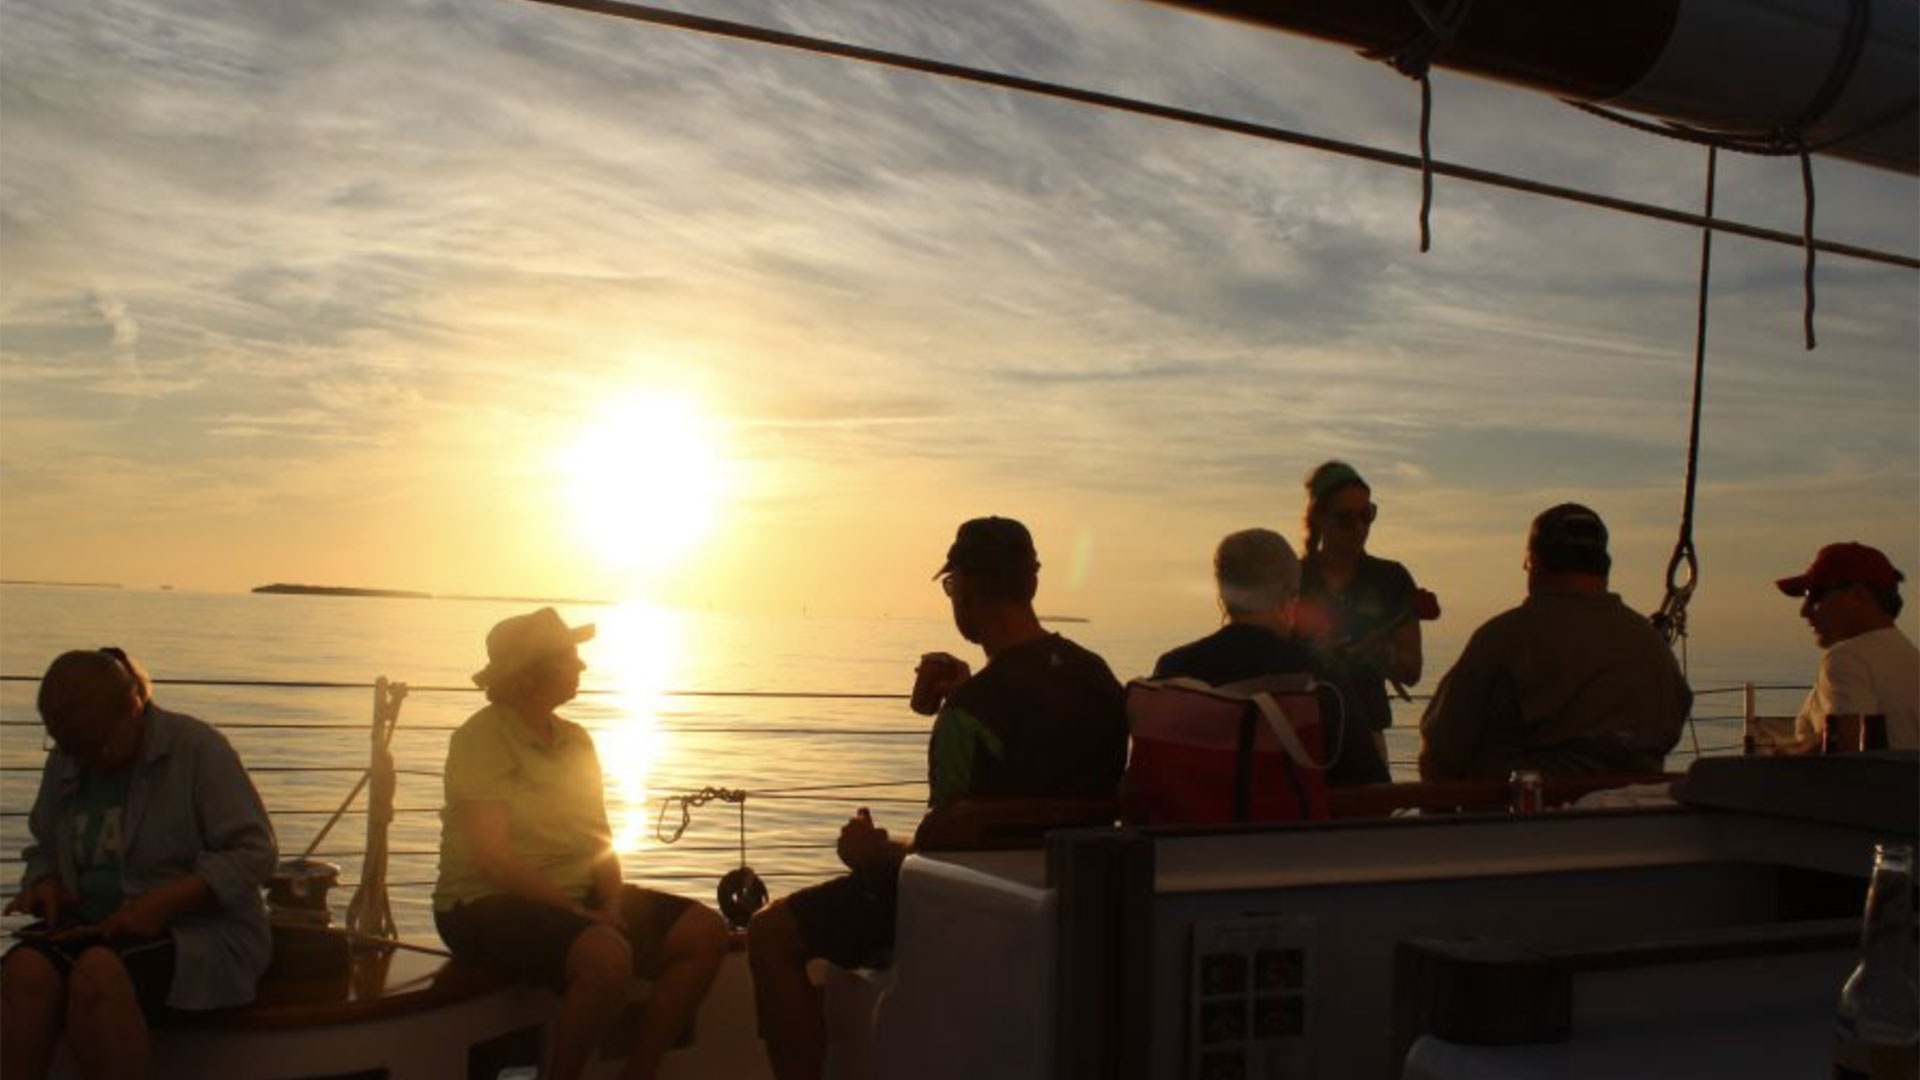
{"x": 380, "y": 985}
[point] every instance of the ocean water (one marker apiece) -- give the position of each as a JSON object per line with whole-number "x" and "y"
{"x": 678, "y": 701}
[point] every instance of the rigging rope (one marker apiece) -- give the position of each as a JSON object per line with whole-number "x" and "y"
{"x": 1806, "y": 230}
{"x": 1790, "y": 138}
{"x": 741, "y": 892}
{"x": 1671, "y": 619}
{"x": 369, "y": 912}
{"x": 686, "y": 802}
{"x": 1414, "y": 59}
{"x": 747, "y": 32}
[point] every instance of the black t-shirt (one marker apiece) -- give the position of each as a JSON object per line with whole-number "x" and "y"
{"x": 1380, "y": 596}
{"x": 1041, "y": 720}
{"x": 1238, "y": 651}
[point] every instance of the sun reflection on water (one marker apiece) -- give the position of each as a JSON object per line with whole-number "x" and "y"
{"x": 635, "y": 658}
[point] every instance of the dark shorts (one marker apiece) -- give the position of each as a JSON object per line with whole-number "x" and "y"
{"x": 529, "y": 941}
{"x": 849, "y": 921}
{"x": 149, "y": 963}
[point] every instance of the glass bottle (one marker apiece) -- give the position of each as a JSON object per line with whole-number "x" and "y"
{"x": 1879, "y": 1011}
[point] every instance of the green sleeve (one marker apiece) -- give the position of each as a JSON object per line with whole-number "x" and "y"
{"x": 958, "y": 735}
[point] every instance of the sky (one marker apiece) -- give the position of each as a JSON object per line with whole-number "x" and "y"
{"x": 488, "y": 297}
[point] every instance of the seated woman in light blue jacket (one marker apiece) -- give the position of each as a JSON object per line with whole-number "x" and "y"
{"x": 150, "y": 846}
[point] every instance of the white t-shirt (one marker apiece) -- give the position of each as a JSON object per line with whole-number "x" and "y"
{"x": 1877, "y": 672}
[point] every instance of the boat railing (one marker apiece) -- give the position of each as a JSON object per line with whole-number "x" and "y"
{"x": 868, "y": 791}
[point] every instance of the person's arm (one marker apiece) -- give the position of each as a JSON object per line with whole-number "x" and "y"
{"x": 484, "y": 823}
{"x": 607, "y": 882}
{"x": 863, "y": 846}
{"x": 1404, "y": 659}
{"x": 41, "y": 891}
{"x": 1451, "y": 728}
{"x": 239, "y": 850}
{"x": 148, "y": 913}
{"x": 1402, "y": 662}
{"x": 958, "y": 735}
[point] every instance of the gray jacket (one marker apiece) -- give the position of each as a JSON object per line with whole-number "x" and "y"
{"x": 191, "y": 809}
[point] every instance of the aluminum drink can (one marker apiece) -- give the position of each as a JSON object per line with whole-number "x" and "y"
{"x": 1526, "y": 794}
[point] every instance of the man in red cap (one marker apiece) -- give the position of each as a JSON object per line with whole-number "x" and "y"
{"x": 1850, "y": 596}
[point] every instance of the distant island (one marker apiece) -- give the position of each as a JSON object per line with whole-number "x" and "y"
{"x": 1064, "y": 618}
{"x": 285, "y": 589}
{"x": 281, "y": 588}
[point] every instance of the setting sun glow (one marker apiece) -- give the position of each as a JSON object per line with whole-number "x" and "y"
{"x": 646, "y": 482}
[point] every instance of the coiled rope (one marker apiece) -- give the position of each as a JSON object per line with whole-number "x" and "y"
{"x": 741, "y": 892}
{"x": 369, "y": 913}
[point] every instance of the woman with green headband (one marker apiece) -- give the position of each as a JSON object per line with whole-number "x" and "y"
{"x": 1361, "y": 614}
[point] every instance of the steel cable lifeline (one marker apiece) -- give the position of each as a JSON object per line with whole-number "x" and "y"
{"x": 1271, "y": 133}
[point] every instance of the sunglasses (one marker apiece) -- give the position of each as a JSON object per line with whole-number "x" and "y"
{"x": 1363, "y": 516}
{"x": 948, "y": 583}
{"x": 1817, "y": 593}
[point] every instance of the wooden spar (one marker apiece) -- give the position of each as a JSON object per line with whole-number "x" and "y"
{"x": 1833, "y": 71}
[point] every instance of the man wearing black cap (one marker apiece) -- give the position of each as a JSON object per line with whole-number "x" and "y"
{"x": 1044, "y": 719}
{"x": 1570, "y": 683}
{"x": 1850, "y": 596}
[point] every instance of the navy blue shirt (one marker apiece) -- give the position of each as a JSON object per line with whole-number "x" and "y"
{"x": 1046, "y": 719}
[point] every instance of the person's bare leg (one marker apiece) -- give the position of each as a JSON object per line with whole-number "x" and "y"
{"x": 599, "y": 964}
{"x": 32, "y": 999}
{"x": 694, "y": 947}
{"x": 106, "y": 1033}
{"x": 792, "y": 1015}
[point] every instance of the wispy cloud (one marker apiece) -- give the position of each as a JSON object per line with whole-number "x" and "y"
{"x": 332, "y": 263}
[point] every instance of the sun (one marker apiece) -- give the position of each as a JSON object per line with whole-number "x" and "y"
{"x": 646, "y": 481}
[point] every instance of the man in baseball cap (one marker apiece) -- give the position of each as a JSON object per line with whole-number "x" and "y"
{"x": 1850, "y": 596}
{"x": 1572, "y": 682}
{"x": 1044, "y": 719}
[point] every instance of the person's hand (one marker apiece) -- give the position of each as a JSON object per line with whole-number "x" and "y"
{"x": 609, "y": 914}
{"x": 144, "y": 916}
{"x": 937, "y": 675}
{"x": 861, "y": 843}
{"x": 44, "y": 898}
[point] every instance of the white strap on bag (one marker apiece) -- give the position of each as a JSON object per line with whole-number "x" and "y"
{"x": 1254, "y": 690}
{"x": 1283, "y": 730}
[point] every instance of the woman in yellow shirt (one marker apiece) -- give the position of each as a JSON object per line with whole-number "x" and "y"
{"x": 529, "y": 883}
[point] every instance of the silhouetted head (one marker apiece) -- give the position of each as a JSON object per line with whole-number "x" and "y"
{"x": 1340, "y": 509}
{"x": 533, "y": 660}
{"x": 1257, "y": 572}
{"x": 1848, "y": 590}
{"x": 93, "y": 703}
{"x": 1568, "y": 539}
{"x": 991, "y": 563}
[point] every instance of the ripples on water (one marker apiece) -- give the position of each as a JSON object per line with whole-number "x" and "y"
{"x": 653, "y": 743}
